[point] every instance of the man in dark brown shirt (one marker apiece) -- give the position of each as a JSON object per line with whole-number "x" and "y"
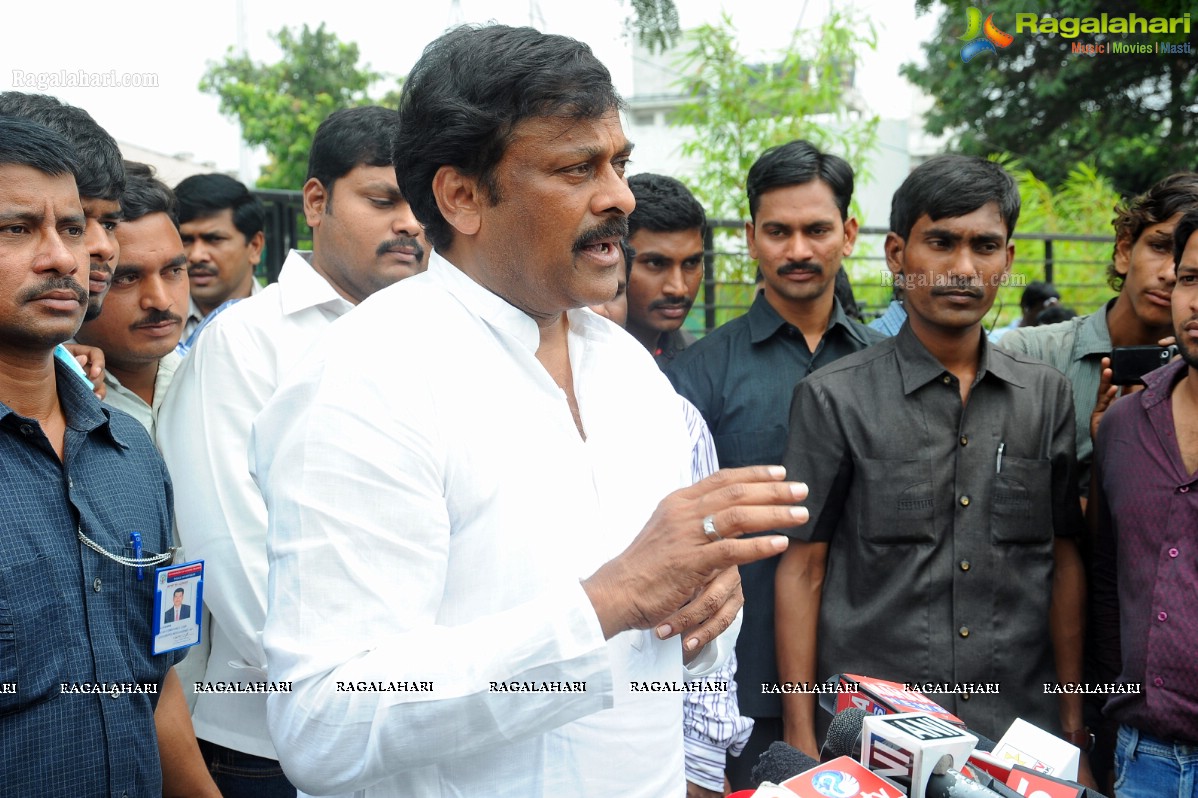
{"x": 940, "y": 546}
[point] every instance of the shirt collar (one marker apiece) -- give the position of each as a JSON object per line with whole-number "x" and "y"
{"x": 483, "y": 303}
{"x": 1094, "y": 336}
{"x": 80, "y": 407}
{"x": 918, "y": 367}
{"x": 303, "y": 287}
{"x": 765, "y": 321}
{"x": 1159, "y": 383}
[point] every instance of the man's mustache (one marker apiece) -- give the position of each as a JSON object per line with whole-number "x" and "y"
{"x": 158, "y": 317}
{"x": 615, "y": 227}
{"x": 804, "y": 266}
{"x": 55, "y": 284}
{"x": 401, "y": 243}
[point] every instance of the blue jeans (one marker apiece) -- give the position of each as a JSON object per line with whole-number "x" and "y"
{"x": 1146, "y": 767}
{"x": 239, "y": 775}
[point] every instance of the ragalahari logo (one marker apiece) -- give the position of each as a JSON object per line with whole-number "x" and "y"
{"x": 992, "y": 37}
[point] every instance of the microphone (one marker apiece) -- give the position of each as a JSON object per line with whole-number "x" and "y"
{"x": 842, "y": 777}
{"x": 844, "y": 735}
{"x": 879, "y": 697}
{"x": 780, "y": 762}
{"x": 914, "y": 746}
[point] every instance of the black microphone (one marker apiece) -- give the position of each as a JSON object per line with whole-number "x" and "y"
{"x": 781, "y": 762}
{"x": 844, "y": 735}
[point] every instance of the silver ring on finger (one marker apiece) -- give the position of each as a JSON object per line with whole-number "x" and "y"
{"x": 709, "y": 529}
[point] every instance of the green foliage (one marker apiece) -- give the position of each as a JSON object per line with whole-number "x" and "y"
{"x": 1083, "y": 204}
{"x": 280, "y": 105}
{"x": 654, "y": 23}
{"x": 1131, "y": 115}
{"x": 738, "y": 109}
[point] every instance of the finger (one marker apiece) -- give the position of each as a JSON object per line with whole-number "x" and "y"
{"x": 1168, "y": 340}
{"x": 717, "y": 618}
{"x": 730, "y": 476}
{"x": 726, "y": 553}
{"x": 735, "y": 522}
{"x": 704, "y": 606}
{"x": 749, "y": 494}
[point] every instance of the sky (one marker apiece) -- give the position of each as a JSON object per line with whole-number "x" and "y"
{"x": 174, "y": 43}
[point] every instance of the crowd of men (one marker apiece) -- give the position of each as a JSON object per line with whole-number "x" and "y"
{"x": 506, "y": 528}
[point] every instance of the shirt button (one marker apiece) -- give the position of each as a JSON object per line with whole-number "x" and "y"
{"x": 1162, "y": 616}
{"x": 946, "y": 379}
{"x": 964, "y": 440}
{"x": 1173, "y": 552}
{"x": 964, "y": 565}
{"x": 963, "y": 631}
{"x": 96, "y": 584}
{"x": 964, "y": 696}
{"x": 26, "y": 429}
{"x": 964, "y": 501}
{"x": 1184, "y": 489}
{"x": 1159, "y": 682}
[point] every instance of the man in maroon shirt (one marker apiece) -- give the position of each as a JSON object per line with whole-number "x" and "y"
{"x": 1146, "y": 557}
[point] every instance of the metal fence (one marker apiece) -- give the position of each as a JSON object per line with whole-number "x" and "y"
{"x": 1077, "y": 265}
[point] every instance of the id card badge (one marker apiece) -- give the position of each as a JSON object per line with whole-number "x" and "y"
{"x": 178, "y": 605}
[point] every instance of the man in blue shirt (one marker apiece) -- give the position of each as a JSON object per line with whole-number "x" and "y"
{"x": 78, "y": 682}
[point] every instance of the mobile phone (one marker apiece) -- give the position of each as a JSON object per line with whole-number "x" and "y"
{"x": 1130, "y": 363}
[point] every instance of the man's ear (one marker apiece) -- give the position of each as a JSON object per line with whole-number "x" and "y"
{"x": 894, "y": 247}
{"x": 256, "y": 245}
{"x": 850, "y": 236}
{"x": 460, "y": 199}
{"x": 316, "y": 200}
{"x": 751, "y": 239}
{"x": 1123, "y": 256}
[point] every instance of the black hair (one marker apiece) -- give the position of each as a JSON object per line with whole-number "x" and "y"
{"x": 146, "y": 194}
{"x": 1055, "y": 314}
{"x": 101, "y": 173}
{"x": 663, "y": 205}
{"x": 1177, "y": 193}
{"x": 179, "y": 590}
{"x": 26, "y": 143}
{"x": 843, "y": 288}
{"x": 465, "y": 96}
{"x": 1037, "y": 293}
{"x": 201, "y": 196}
{"x": 349, "y": 138}
{"x": 949, "y": 186}
{"x": 795, "y": 163}
{"x": 1181, "y": 236}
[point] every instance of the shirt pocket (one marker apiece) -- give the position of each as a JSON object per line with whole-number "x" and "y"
{"x": 896, "y": 503}
{"x": 1021, "y": 509}
{"x": 33, "y": 639}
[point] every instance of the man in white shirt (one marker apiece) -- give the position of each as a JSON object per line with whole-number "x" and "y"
{"x": 143, "y": 313}
{"x": 222, "y": 225}
{"x": 474, "y": 589}
{"x": 364, "y": 237}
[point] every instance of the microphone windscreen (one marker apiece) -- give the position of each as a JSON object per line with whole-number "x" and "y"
{"x": 781, "y": 762}
{"x": 844, "y": 734}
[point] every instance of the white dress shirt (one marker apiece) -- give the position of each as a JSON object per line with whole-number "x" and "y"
{"x": 204, "y": 435}
{"x": 433, "y": 509}
{"x": 122, "y": 398}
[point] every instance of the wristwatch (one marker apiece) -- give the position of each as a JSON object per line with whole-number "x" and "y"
{"x": 1083, "y": 738}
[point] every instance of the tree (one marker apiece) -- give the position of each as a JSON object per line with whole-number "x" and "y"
{"x": 280, "y": 105}
{"x": 654, "y": 23}
{"x": 1130, "y": 115}
{"x": 738, "y": 109}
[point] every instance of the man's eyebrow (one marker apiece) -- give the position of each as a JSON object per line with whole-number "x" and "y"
{"x": 33, "y": 218}
{"x": 178, "y": 260}
{"x": 383, "y": 188}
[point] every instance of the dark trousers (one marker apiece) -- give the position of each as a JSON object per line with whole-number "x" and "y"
{"x": 240, "y": 775}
